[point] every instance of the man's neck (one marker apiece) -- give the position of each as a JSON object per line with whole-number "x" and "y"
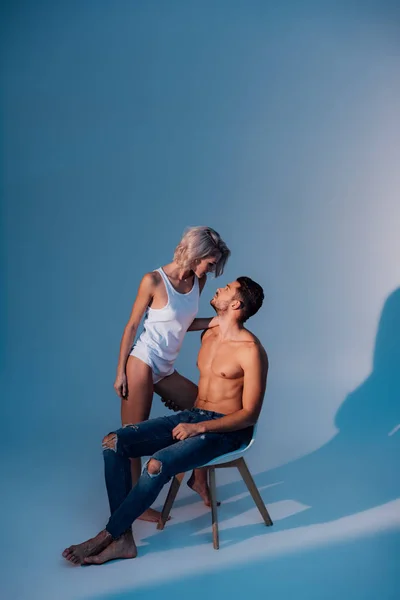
{"x": 229, "y": 329}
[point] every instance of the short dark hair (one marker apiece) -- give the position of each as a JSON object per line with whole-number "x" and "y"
{"x": 251, "y": 295}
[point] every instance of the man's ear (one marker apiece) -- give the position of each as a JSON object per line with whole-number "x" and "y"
{"x": 236, "y": 304}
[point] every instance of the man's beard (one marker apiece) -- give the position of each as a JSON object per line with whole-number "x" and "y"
{"x": 219, "y": 309}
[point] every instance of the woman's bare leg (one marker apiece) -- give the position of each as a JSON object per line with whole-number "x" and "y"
{"x": 135, "y": 409}
{"x": 178, "y": 391}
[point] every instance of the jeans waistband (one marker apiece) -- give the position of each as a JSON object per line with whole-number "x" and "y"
{"x": 209, "y": 413}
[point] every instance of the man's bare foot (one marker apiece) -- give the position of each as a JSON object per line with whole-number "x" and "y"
{"x": 123, "y": 547}
{"x": 200, "y": 485}
{"x": 151, "y": 515}
{"x": 77, "y": 554}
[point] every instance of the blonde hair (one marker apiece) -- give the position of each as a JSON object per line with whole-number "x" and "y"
{"x": 198, "y": 243}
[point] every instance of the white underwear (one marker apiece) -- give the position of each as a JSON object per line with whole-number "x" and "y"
{"x": 160, "y": 367}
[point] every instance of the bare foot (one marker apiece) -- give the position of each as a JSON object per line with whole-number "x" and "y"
{"x": 151, "y": 515}
{"x": 201, "y": 487}
{"x": 123, "y": 547}
{"x": 77, "y": 554}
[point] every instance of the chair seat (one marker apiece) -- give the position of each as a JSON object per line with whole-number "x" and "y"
{"x": 229, "y": 456}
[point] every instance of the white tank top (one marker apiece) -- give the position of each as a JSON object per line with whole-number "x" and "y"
{"x": 165, "y": 328}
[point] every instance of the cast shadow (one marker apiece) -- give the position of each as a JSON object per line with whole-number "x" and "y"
{"x": 353, "y": 472}
{"x": 328, "y": 573}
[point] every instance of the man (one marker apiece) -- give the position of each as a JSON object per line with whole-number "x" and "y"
{"x": 233, "y": 369}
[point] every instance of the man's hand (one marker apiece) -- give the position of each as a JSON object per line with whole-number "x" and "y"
{"x": 187, "y": 430}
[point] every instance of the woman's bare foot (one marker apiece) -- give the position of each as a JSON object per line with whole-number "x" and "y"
{"x": 123, "y": 547}
{"x": 198, "y": 483}
{"x": 77, "y": 554}
{"x": 151, "y": 515}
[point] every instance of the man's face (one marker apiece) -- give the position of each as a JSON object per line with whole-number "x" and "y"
{"x": 224, "y": 296}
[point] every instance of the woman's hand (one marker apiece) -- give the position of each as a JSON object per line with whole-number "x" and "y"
{"x": 214, "y": 322}
{"x": 121, "y": 385}
{"x": 171, "y": 405}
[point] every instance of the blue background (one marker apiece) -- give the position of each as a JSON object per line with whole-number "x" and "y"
{"x": 278, "y": 125}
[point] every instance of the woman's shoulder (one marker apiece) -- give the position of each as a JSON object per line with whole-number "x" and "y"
{"x": 151, "y": 279}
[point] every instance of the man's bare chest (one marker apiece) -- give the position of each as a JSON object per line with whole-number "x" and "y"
{"x": 219, "y": 359}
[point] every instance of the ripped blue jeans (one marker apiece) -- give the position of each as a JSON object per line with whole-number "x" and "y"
{"x": 154, "y": 438}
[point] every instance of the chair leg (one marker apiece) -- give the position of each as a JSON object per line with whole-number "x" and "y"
{"x": 214, "y": 513}
{"x": 170, "y": 499}
{"x": 251, "y": 486}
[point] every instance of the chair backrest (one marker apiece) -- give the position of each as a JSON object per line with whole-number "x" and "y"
{"x": 253, "y": 438}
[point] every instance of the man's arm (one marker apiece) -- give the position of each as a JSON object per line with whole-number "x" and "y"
{"x": 254, "y": 363}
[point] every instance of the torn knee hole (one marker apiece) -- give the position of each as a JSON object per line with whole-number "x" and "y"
{"x": 110, "y": 442}
{"x": 154, "y": 467}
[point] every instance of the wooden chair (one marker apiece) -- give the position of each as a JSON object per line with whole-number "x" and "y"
{"x": 231, "y": 459}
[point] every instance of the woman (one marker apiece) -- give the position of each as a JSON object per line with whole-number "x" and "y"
{"x": 170, "y": 298}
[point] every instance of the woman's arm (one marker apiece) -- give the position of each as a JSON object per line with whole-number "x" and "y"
{"x": 143, "y": 299}
{"x": 200, "y": 324}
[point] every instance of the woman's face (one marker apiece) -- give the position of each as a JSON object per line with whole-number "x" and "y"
{"x": 205, "y": 265}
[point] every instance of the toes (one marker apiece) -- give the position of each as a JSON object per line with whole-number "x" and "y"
{"x": 70, "y": 558}
{"x": 74, "y": 559}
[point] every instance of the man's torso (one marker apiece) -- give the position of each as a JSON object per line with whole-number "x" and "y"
{"x": 221, "y": 374}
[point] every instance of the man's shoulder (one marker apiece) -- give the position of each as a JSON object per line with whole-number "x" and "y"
{"x": 251, "y": 347}
{"x": 209, "y": 333}
{"x": 247, "y": 337}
